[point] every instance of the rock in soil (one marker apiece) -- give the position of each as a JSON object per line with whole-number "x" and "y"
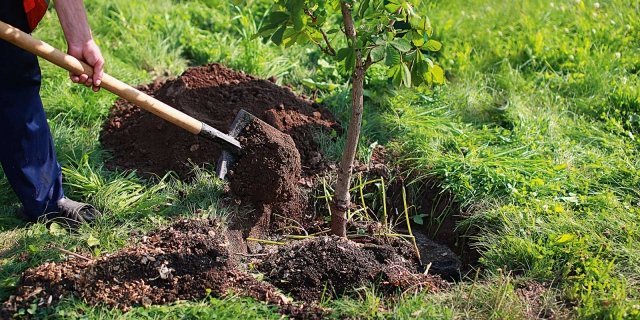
{"x": 213, "y": 94}
{"x": 440, "y": 259}
{"x": 331, "y": 266}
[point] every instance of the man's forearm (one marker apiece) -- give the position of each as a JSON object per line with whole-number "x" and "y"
{"x": 73, "y": 19}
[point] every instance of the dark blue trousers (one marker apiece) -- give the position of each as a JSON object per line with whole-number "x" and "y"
{"x": 27, "y": 153}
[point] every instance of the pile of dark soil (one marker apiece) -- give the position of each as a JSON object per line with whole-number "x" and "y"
{"x": 212, "y": 93}
{"x": 331, "y": 266}
{"x": 186, "y": 261}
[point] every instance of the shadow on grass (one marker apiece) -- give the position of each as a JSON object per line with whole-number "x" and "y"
{"x": 9, "y": 220}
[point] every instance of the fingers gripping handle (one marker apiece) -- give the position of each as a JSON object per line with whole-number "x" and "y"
{"x": 75, "y": 66}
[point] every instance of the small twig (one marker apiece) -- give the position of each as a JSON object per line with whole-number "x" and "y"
{"x": 473, "y": 286}
{"x": 297, "y": 237}
{"x": 406, "y": 215}
{"x": 320, "y": 232}
{"x": 331, "y": 50}
{"x": 384, "y": 205}
{"x": 426, "y": 269}
{"x": 251, "y": 255}
{"x": 399, "y": 235}
{"x": 65, "y": 251}
{"x": 266, "y": 241}
{"x": 369, "y": 61}
{"x": 299, "y": 227}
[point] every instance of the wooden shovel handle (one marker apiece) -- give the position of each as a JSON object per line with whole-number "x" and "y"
{"x": 121, "y": 89}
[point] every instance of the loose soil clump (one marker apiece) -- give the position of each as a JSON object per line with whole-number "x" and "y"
{"x": 266, "y": 176}
{"x": 214, "y": 94}
{"x": 332, "y": 266}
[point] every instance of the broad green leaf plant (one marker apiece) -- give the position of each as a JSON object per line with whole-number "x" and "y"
{"x": 376, "y": 31}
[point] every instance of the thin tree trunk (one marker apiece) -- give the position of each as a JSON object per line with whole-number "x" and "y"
{"x": 342, "y": 199}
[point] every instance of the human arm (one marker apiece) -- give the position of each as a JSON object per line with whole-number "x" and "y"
{"x": 75, "y": 25}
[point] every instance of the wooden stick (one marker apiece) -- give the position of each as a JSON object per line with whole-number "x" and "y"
{"x": 65, "y": 251}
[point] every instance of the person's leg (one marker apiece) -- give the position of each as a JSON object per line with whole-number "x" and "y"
{"x": 27, "y": 153}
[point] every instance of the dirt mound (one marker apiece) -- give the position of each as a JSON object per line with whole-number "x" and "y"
{"x": 266, "y": 176}
{"x": 190, "y": 260}
{"x": 183, "y": 262}
{"x": 333, "y": 266}
{"x": 213, "y": 94}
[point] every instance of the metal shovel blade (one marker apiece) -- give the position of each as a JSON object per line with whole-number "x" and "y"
{"x": 227, "y": 158}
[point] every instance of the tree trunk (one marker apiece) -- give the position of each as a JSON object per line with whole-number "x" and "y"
{"x": 342, "y": 199}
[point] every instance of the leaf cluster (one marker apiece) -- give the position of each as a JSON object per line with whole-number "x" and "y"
{"x": 387, "y": 31}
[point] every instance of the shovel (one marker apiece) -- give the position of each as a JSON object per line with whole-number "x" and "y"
{"x": 231, "y": 146}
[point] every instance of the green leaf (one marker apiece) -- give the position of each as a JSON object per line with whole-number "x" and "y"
{"x": 295, "y": 6}
{"x": 32, "y": 248}
{"x": 380, "y": 42}
{"x": 564, "y": 238}
{"x": 416, "y": 38}
{"x": 309, "y": 83}
{"x": 378, "y": 53}
{"x": 395, "y": 73}
{"x": 278, "y": 17}
{"x": 421, "y": 24}
{"x": 363, "y": 7}
{"x": 292, "y": 38}
{"x": 419, "y": 69}
{"x": 436, "y": 74}
{"x": 419, "y": 218}
{"x": 313, "y": 34}
{"x": 350, "y": 61}
{"x": 32, "y": 308}
{"x": 393, "y": 57}
{"x": 56, "y": 230}
{"x": 433, "y": 45}
{"x": 343, "y": 53}
{"x": 92, "y": 241}
{"x": 392, "y": 6}
{"x": 299, "y": 21}
{"x": 277, "y": 36}
{"x": 406, "y": 75}
{"x": 401, "y": 44}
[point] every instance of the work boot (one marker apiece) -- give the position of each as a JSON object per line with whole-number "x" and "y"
{"x": 70, "y": 213}
{"x": 73, "y": 213}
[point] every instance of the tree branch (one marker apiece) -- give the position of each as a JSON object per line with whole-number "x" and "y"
{"x": 368, "y": 62}
{"x": 328, "y": 49}
{"x": 326, "y": 40}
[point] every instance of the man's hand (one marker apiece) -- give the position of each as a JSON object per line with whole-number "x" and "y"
{"x": 89, "y": 53}
{"x": 73, "y": 19}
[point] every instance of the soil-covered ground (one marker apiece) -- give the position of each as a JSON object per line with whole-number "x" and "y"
{"x": 190, "y": 260}
{"x": 213, "y": 94}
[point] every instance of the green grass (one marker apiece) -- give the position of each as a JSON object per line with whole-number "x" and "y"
{"x": 535, "y": 134}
